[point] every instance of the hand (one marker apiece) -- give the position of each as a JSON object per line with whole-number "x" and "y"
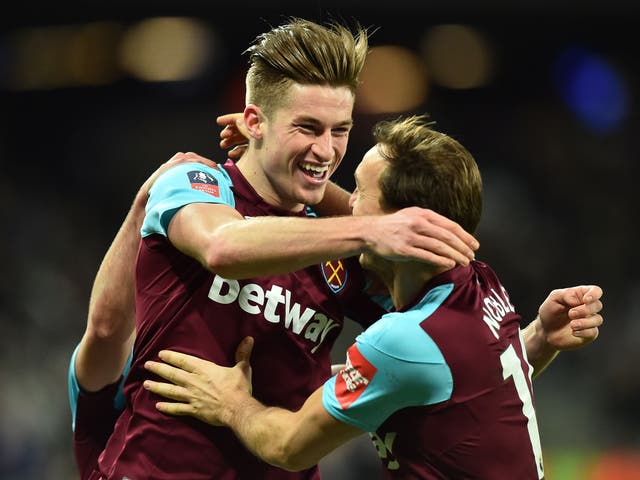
{"x": 143, "y": 193}
{"x": 417, "y": 233}
{"x": 234, "y": 135}
{"x": 570, "y": 317}
{"x": 202, "y": 389}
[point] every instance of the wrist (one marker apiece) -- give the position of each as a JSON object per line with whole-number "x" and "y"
{"x": 540, "y": 339}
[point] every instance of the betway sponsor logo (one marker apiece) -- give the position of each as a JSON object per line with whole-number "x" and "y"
{"x": 275, "y": 306}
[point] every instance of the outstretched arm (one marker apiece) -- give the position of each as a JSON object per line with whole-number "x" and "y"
{"x": 222, "y": 396}
{"x": 432, "y": 238}
{"x": 568, "y": 319}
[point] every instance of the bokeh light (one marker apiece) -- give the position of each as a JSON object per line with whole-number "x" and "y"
{"x": 167, "y": 49}
{"x": 394, "y": 79}
{"x": 592, "y": 88}
{"x": 458, "y": 56}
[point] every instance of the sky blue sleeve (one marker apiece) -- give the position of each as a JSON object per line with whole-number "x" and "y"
{"x": 74, "y": 386}
{"x": 181, "y": 185}
{"x": 393, "y": 364}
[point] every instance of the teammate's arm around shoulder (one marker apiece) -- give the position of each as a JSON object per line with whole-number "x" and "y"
{"x": 110, "y": 331}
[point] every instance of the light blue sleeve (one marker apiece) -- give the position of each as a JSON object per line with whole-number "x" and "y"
{"x": 181, "y": 185}
{"x": 74, "y": 386}
{"x": 404, "y": 368}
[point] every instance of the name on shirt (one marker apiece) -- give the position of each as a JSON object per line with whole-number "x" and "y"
{"x": 275, "y": 306}
{"x": 496, "y": 307}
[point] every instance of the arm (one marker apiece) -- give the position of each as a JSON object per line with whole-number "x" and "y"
{"x": 243, "y": 249}
{"x": 224, "y": 242}
{"x": 568, "y": 319}
{"x": 222, "y": 396}
{"x": 109, "y": 334}
{"x": 110, "y": 331}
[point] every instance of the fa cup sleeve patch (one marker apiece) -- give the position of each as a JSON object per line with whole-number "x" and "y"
{"x": 204, "y": 182}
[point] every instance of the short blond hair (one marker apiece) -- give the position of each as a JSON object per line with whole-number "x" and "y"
{"x": 303, "y": 52}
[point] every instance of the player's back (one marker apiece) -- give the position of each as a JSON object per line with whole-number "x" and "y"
{"x": 487, "y": 428}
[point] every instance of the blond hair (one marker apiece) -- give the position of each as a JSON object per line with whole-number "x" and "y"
{"x": 303, "y": 52}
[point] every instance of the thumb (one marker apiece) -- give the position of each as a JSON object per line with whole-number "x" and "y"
{"x": 243, "y": 352}
{"x": 243, "y": 355}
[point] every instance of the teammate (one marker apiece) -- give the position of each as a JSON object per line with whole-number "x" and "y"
{"x": 103, "y": 355}
{"x": 219, "y": 242}
{"x": 443, "y": 383}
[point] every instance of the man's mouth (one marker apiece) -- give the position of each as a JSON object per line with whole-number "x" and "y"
{"x": 317, "y": 172}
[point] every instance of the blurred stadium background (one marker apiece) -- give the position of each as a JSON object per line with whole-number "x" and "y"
{"x": 96, "y": 94}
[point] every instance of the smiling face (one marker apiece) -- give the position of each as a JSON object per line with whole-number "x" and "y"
{"x": 302, "y": 144}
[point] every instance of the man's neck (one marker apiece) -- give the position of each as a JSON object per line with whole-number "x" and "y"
{"x": 253, "y": 172}
{"x": 408, "y": 280}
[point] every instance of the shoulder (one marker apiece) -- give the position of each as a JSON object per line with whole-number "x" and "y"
{"x": 191, "y": 173}
{"x": 400, "y": 334}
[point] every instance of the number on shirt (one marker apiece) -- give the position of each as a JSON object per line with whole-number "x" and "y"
{"x": 512, "y": 367}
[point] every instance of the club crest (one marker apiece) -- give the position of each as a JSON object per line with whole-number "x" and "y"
{"x": 335, "y": 274}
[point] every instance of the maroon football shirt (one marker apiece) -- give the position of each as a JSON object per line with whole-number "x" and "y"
{"x": 445, "y": 385}
{"x": 95, "y": 417}
{"x": 295, "y": 319}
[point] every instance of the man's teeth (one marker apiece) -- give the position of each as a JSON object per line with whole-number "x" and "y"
{"x": 315, "y": 168}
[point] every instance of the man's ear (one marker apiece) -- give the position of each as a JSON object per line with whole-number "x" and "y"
{"x": 253, "y": 121}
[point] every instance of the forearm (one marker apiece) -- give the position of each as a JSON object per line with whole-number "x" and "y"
{"x": 112, "y": 301}
{"x": 539, "y": 352}
{"x": 233, "y": 247}
{"x": 110, "y": 329}
{"x": 264, "y": 432}
{"x": 290, "y": 440}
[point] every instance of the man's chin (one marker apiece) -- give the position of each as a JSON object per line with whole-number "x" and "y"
{"x": 312, "y": 197}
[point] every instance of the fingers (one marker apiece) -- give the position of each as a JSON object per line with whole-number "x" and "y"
{"x": 581, "y": 294}
{"x": 172, "y": 374}
{"x": 243, "y": 352}
{"x": 181, "y": 157}
{"x": 437, "y": 252}
{"x": 584, "y": 299}
{"x": 228, "y": 119}
{"x": 588, "y": 334}
{"x": 443, "y": 240}
{"x": 586, "y": 322}
{"x": 462, "y": 240}
{"x": 167, "y": 390}
{"x": 185, "y": 362}
{"x": 176, "y": 158}
{"x": 592, "y": 293}
{"x": 179, "y": 409}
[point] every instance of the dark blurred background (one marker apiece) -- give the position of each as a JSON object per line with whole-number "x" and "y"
{"x": 95, "y": 95}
